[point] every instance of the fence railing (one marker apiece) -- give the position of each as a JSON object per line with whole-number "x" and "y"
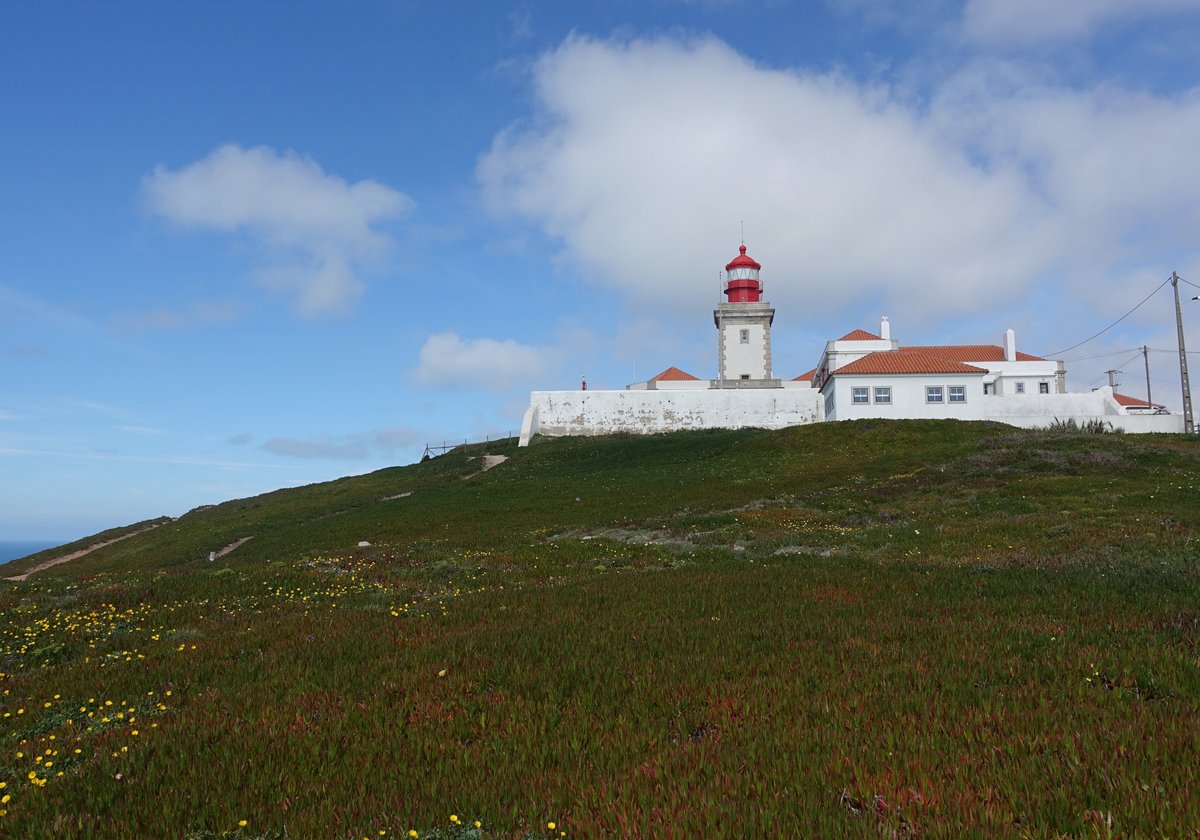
{"x": 432, "y": 450}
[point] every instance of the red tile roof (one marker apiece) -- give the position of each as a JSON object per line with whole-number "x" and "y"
{"x": 970, "y": 353}
{"x": 860, "y": 335}
{"x": 892, "y": 361}
{"x": 674, "y": 374}
{"x": 806, "y": 377}
{"x": 1134, "y": 401}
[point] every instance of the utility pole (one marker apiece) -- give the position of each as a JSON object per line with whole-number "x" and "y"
{"x": 1146, "y": 359}
{"x": 1188, "y": 425}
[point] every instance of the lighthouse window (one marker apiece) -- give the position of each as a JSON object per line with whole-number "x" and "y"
{"x": 745, "y": 336}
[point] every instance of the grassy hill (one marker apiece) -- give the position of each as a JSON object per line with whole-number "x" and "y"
{"x": 930, "y": 629}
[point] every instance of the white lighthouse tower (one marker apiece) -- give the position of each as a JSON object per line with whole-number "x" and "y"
{"x": 744, "y": 328}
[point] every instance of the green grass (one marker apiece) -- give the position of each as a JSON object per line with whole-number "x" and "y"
{"x": 928, "y": 629}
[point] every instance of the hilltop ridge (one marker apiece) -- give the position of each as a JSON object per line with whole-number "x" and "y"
{"x": 604, "y": 480}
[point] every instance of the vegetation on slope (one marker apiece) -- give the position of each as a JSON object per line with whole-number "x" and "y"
{"x": 930, "y": 629}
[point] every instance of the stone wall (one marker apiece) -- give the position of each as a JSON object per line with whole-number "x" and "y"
{"x": 558, "y": 413}
{"x": 1033, "y": 411}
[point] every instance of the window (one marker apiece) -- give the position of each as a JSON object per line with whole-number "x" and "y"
{"x": 1043, "y": 387}
{"x": 933, "y": 394}
{"x": 989, "y": 387}
{"x": 745, "y": 335}
{"x": 859, "y": 396}
{"x": 1020, "y": 387}
{"x": 883, "y": 395}
{"x": 958, "y": 393}
{"x": 745, "y": 376}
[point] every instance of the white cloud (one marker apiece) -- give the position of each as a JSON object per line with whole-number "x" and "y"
{"x": 1026, "y": 21}
{"x": 314, "y": 227}
{"x": 644, "y": 155}
{"x": 447, "y": 360}
{"x": 352, "y": 447}
{"x": 647, "y": 154}
{"x": 1116, "y": 169}
{"x": 140, "y": 431}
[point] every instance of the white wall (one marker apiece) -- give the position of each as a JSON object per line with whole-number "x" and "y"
{"x": 1048, "y": 407}
{"x": 557, "y": 413}
{"x": 1032, "y": 411}
{"x": 679, "y": 385}
{"x": 669, "y": 385}
{"x": 1028, "y": 411}
{"x": 908, "y": 397}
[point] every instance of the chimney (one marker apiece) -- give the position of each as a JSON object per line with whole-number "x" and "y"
{"x": 1010, "y": 346}
{"x": 885, "y": 329}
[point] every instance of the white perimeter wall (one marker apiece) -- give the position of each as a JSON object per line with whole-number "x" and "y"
{"x": 1028, "y": 411}
{"x": 557, "y": 413}
{"x": 670, "y": 385}
{"x": 1032, "y": 411}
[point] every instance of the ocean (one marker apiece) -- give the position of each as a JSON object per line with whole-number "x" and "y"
{"x": 12, "y": 549}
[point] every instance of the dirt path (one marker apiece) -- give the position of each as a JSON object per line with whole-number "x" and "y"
{"x": 75, "y": 555}
{"x": 489, "y": 461}
{"x": 232, "y": 546}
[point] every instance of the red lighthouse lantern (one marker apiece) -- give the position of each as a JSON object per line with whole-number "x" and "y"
{"x": 741, "y": 279}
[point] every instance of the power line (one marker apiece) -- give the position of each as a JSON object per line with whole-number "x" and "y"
{"x": 1117, "y": 367}
{"x": 1102, "y": 355}
{"x": 1110, "y": 326}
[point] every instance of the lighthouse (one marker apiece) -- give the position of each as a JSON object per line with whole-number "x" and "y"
{"x": 743, "y": 322}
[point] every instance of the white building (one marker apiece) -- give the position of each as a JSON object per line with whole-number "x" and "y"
{"x": 866, "y": 375}
{"x": 859, "y": 375}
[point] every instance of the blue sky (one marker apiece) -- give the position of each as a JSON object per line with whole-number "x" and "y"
{"x": 253, "y": 245}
